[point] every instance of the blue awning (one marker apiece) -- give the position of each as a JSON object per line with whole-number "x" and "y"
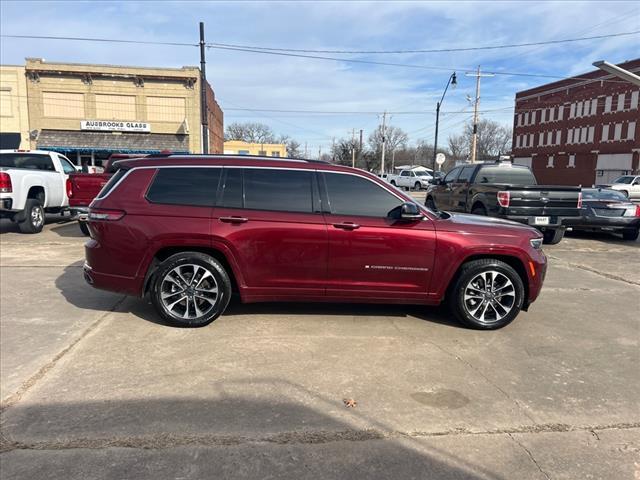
{"x": 67, "y": 149}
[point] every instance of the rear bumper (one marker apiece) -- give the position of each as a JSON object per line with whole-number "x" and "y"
{"x": 112, "y": 283}
{"x": 604, "y": 223}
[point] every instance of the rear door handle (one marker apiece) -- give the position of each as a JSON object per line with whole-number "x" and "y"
{"x": 234, "y": 219}
{"x": 346, "y": 225}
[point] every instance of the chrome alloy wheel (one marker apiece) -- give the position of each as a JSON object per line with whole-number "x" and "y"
{"x": 37, "y": 216}
{"x": 489, "y": 297}
{"x": 189, "y": 291}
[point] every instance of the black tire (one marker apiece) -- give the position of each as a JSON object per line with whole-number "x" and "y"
{"x": 417, "y": 186}
{"x": 631, "y": 234}
{"x": 431, "y": 204}
{"x": 165, "y": 280}
{"x": 464, "y": 310}
{"x": 479, "y": 210}
{"x": 393, "y": 182}
{"x": 33, "y": 221}
{"x": 84, "y": 228}
{"x": 553, "y": 236}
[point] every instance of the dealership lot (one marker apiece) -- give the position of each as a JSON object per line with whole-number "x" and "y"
{"x": 94, "y": 386}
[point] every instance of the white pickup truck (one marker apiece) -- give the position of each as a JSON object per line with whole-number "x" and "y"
{"x": 410, "y": 179}
{"x": 33, "y": 182}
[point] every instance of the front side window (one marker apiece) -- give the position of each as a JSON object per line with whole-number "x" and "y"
{"x": 354, "y": 195}
{"x": 465, "y": 174}
{"x": 452, "y": 175}
{"x": 405, "y": 174}
{"x": 278, "y": 190}
{"x": 185, "y": 186}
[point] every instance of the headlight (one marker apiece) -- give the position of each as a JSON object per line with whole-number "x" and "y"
{"x": 536, "y": 243}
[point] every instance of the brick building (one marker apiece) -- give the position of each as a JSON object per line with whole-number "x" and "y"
{"x": 579, "y": 131}
{"x": 87, "y": 111}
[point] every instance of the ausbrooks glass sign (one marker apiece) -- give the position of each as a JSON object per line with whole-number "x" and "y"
{"x": 114, "y": 126}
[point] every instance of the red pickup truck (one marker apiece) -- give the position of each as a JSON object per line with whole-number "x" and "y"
{"x": 82, "y": 188}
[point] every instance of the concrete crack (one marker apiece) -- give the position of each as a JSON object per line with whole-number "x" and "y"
{"x": 29, "y": 383}
{"x": 593, "y": 270}
{"x": 528, "y": 452}
{"x": 170, "y": 440}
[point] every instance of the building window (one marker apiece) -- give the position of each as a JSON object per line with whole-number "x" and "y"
{"x": 549, "y": 138}
{"x": 572, "y": 161}
{"x": 531, "y": 140}
{"x": 631, "y": 131}
{"x": 543, "y": 115}
{"x": 63, "y": 105}
{"x": 552, "y": 112}
{"x": 243, "y": 152}
{"x": 541, "y": 139}
{"x": 634, "y": 100}
{"x": 560, "y": 112}
{"x": 594, "y": 106}
{"x": 275, "y": 154}
{"x": 590, "y": 134}
{"x": 558, "y": 137}
{"x": 617, "y": 133}
{"x": 526, "y": 118}
{"x": 620, "y": 102}
{"x": 572, "y": 111}
{"x": 579, "y": 109}
{"x": 550, "y": 162}
{"x": 262, "y": 153}
{"x": 583, "y": 135}
{"x": 605, "y": 133}
{"x": 607, "y": 104}
{"x": 570, "y": 135}
{"x": 517, "y": 141}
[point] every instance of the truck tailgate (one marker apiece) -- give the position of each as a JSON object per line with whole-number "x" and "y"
{"x": 547, "y": 200}
{"x": 85, "y": 187}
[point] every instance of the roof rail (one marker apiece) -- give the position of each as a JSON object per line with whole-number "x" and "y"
{"x": 235, "y": 155}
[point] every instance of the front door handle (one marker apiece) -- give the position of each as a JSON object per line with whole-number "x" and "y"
{"x": 346, "y": 225}
{"x": 234, "y": 219}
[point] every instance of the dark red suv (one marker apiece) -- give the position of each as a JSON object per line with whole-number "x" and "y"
{"x": 190, "y": 230}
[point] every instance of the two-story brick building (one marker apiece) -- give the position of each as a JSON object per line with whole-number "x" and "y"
{"x": 580, "y": 131}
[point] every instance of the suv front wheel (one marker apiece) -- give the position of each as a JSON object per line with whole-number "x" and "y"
{"x": 487, "y": 295}
{"x": 190, "y": 289}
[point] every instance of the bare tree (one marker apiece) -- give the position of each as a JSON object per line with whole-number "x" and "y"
{"x": 396, "y": 139}
{"x": 253, "y": 132}
{"x": 293, "y": 146}
{"x": 493, "y": 138}
{"x": 459, "y": 147}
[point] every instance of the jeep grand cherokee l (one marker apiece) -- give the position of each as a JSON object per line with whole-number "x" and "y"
{"x": 190, "y": 230}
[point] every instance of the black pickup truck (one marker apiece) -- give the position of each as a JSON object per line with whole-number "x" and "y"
{"x": 508, "y": 191}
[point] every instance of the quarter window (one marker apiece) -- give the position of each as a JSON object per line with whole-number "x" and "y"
{"x": 358, "y": 196}
{"x": 279, "y": 190}
{"x": 27, "y": 160}
{"x": 185, "y": 186}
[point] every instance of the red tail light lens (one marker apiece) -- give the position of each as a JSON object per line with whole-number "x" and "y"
{"x": 504, "y": 198}
{"x": 69, "y": 188}
{"x": 637, "y": 210}
{"x": 5, "y": 183}
{"x": 105, "y": 214}
{"x": 580, "y": 200}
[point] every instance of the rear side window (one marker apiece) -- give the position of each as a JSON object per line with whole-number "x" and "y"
{"x": 232, "y": 188}
{"x": 27, "y": 161}
{"x": 353, "y": 195}
{"x": 185, "y": 186}
{"x": 279, "y": 190}
{"x": 509, "y": 175}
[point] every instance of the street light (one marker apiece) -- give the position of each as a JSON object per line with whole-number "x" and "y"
{"x": 453, "y": 81}
{"x": 617, "y": 71}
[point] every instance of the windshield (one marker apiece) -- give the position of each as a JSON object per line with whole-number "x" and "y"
{"x": 603, "y": 195}
{"x": 625, "y": 179}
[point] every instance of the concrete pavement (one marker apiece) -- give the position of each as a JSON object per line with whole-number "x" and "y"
{"x": 93, "y": 386}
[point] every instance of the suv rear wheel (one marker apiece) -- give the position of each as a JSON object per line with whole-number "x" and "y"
{"x": 190, "y": 289}
{"x": 487, "y": 295}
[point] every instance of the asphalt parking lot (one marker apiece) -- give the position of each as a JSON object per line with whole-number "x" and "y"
{"x": 93, "y": 386}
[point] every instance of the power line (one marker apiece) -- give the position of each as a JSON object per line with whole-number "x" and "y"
{"x": 438, "y": 50}
{"x": 104, "y": 40}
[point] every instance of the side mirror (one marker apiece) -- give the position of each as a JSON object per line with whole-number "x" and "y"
{"x": 410, "y": 211}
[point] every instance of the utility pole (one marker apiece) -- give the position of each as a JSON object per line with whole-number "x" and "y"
{"x": 319, "y": 152}
{"x": 360, "y": 149}
{"x": 384, "y": 140}
{"x": 333, "y": 149}
{"x": 474, "y": 139}
{"x": 203, "y": 94}
{"x": 305, "y": 150}
{"x": 353, "y": 148}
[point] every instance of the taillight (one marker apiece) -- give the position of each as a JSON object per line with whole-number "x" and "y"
{"x": 503, "y": 199}
{"x": 637, "y": 210}
{"x": 105, "y": 214}
{"x": 69, "y": 188}
{"x": 5, "y": 183}
{"x": 580, "y": 200}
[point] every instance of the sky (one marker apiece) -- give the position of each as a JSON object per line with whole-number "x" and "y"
{"x": 245, "y": 80}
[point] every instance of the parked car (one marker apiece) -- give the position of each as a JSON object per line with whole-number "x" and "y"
{"x": 82, "y": 188}
{"x": 610, "y": 211}
{"x": 189, "y": 230}
{"x": 502, "y": 189}
{"x": 411, "y": 179}
{"x": 32, "y": 183}
{"x": 629, "y": 185}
